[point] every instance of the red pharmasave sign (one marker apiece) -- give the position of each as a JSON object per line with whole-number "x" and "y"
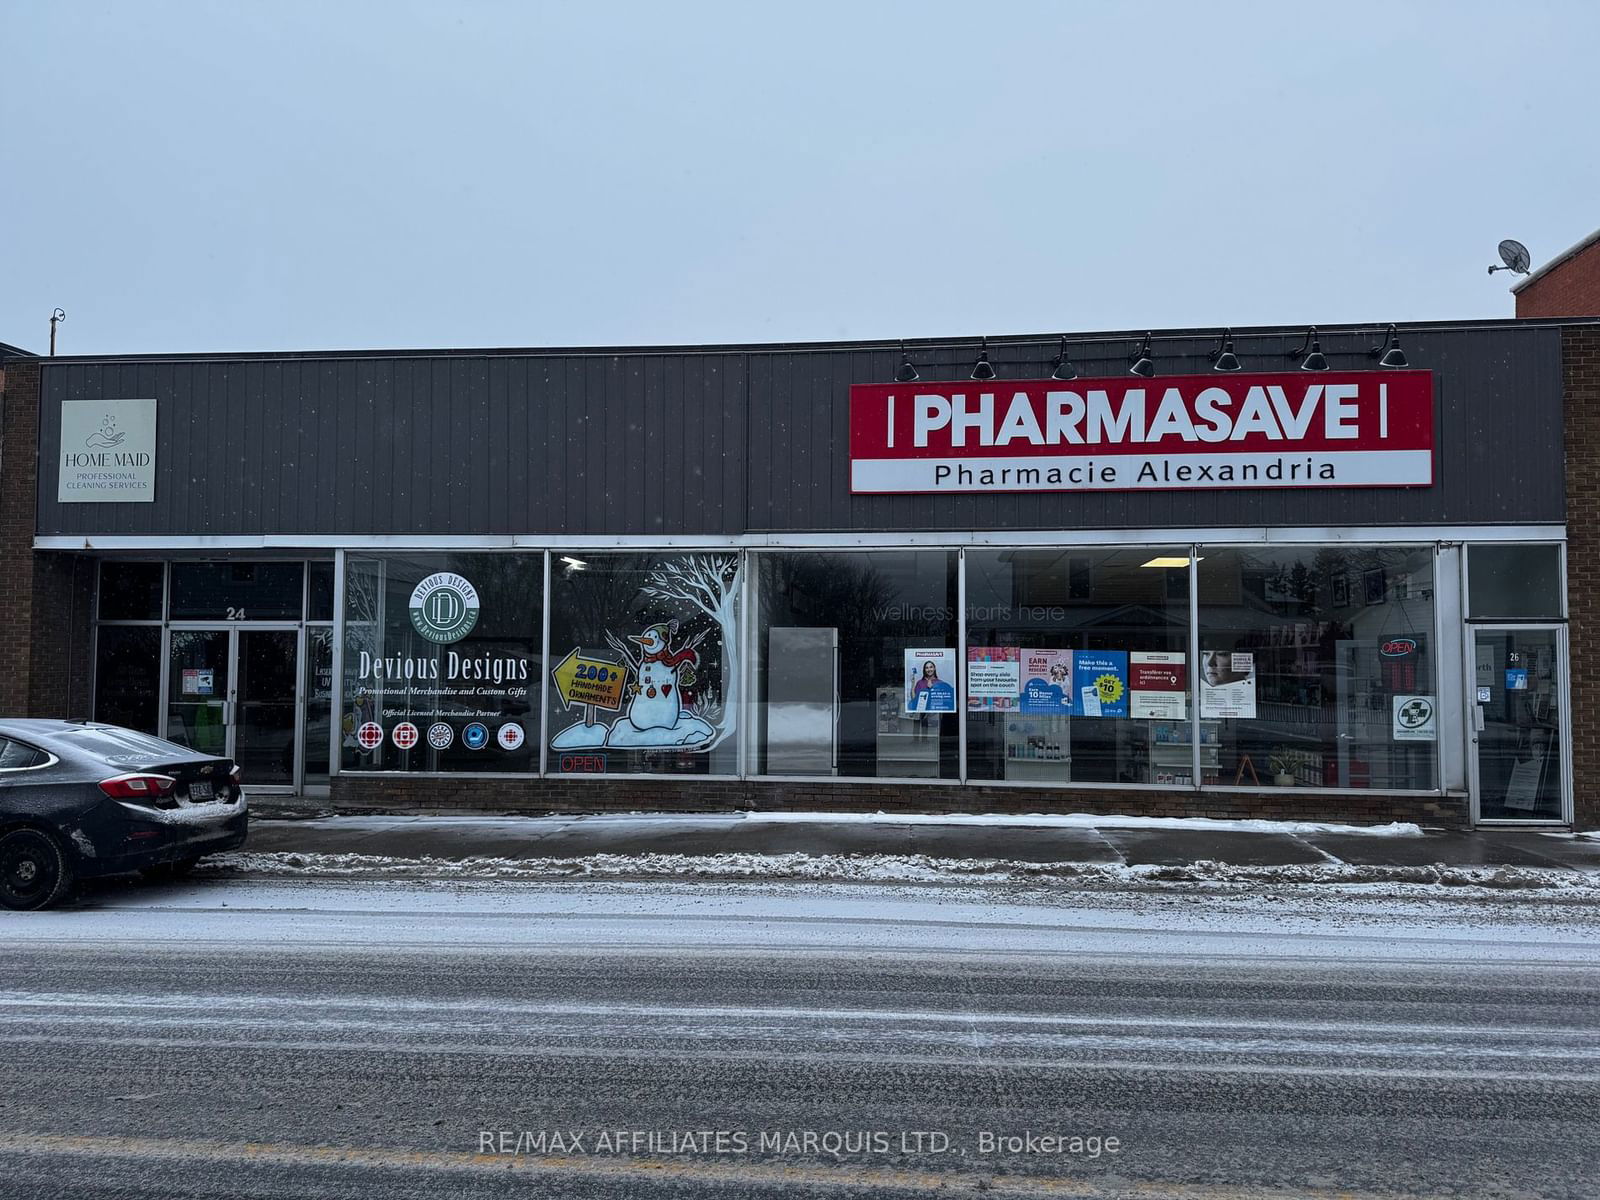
{"x": 1324, "y": 429}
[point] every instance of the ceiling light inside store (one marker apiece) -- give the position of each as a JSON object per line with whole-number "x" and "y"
{"x": 1162, "y": 560}
{"x": 574, "y": 564}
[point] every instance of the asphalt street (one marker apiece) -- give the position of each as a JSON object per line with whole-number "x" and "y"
{"x": 265, "y": 1039}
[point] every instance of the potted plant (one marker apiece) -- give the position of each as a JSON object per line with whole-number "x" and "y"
{"x": 1281, "y": 760}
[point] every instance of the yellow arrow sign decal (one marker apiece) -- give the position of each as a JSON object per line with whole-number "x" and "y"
{"x": 592, "y": 681}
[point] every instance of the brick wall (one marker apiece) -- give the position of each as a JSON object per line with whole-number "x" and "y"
{"x": 1580, "y": 365}
{"x": 1571, "y": 289}
{"x": 19, "y": 428}
{"x": 45, "y": 599}
{"x": 63, "y": 635}
{"x": 444, "y": 795}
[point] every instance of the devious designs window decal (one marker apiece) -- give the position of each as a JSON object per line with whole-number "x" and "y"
{"x": 659, "y": 683}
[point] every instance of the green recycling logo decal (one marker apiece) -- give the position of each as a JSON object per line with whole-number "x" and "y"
{"x": 444, "y": 607}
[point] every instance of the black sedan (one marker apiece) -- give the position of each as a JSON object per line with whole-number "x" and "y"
{"x": 79, "y": 799}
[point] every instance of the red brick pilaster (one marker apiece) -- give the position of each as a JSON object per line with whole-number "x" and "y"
{"x": 1580, "y": 368}
{"x": 19, "y": 468}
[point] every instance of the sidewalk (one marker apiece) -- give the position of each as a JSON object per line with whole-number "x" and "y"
{"x": 1044, "y": 839}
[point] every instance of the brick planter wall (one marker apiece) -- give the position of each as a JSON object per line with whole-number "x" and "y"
{"x": 354, "y": 794}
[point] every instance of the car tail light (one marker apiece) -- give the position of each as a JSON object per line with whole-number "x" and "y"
{"x": 236, "y": 776}
{"x": 138, "y": 786}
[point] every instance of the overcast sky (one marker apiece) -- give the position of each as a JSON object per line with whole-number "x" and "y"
{"x": 261, "y": 176}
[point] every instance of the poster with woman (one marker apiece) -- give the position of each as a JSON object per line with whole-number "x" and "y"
{"x": 1227, "y": 684}
{"x": 929, "y": 680}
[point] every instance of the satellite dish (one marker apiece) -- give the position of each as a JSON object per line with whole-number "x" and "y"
{"x": 1515, "y": 256}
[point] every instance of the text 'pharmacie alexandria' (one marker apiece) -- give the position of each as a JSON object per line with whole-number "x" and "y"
{"x": 1355, "y": 429}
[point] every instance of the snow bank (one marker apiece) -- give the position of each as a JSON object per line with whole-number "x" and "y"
{"x": 888, "y": 868}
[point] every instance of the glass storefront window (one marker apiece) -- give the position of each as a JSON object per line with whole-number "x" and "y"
{"x": 441, "y": 659}
{"x": 1514, "y": 583}
{"x": 130, "y": 591}
{"x": 237, "y": 591}
{"x": 319, "y": 702}
{"x": 127, "y": 676}
{"x": 319, "y": 591}
{"x": 1077, "y": 667}
{"x": 858, "y": 669}
{"x": 1318, "y": 666}
{"x": 645, "y": 671}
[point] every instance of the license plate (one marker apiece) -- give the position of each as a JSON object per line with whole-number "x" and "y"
{"x": 200, "y": 791}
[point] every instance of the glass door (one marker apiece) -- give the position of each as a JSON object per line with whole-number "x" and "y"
{"x": 233, "y": 692}
{"x": 1518, "y": 716}
{"x": 199, "y": 690}
{"x": 267, "y": 667}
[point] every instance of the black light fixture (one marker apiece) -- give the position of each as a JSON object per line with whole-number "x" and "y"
{"x": 1062, "y": 367}
{"x": 1310, "y": 352}
{"x": 1223, "y": 358}
{"x": 907, "y": 371}
{"x": 1142, "y": 364}
{"x": 981, "y": 369}
{"x": 1391, "y": 355}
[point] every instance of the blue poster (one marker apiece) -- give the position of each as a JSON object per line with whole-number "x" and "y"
{"x": 1100, "y": 683}
{"x": 1516, "y": 679}
{"x": 1047, "y": 682}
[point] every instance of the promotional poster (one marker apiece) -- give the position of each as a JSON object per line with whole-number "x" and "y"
{"x": 1227, "y": 684}
{"x": 929, "y": 680}
{"x": 1157, "y": 685}
{"x": 1100, "y": 682}
{"x": 1047, "y": 690}
{"x": 993, "y": 678}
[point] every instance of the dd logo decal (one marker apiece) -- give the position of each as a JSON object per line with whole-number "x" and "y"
{"x": 444, "y": 607}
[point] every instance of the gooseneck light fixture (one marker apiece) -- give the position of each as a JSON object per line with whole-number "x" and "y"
{"x": 1392, "y": 355}
{"x": 1223, "y": 358}
{"x": 1310, "y": 352}
{"x": 1141, "y": 364}
{"x": 906, "y": 372}
{"x": 1062, "y": 367}
{"x": 981, "y": 369}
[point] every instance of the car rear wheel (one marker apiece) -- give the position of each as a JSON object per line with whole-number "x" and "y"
{"x": 34, "y": 870}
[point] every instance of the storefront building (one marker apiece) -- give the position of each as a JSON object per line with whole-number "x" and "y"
{"x": 1331, "y": 584}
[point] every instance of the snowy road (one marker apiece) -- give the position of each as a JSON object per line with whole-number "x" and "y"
{"x": 262, "y": 1038}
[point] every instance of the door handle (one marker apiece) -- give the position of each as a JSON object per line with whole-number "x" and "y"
{"x": 227, "y": 712}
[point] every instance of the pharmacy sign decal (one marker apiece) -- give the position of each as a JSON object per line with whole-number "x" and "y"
{"x": 1303, "y": 430}
{"x": 444, "y": 607}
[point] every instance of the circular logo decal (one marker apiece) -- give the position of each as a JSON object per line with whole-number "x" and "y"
{"x": 405, "y": 735}
{"x": 1414, "y": 713}
{"x": 444, "y": 607}
{"x": 440, "y": 735}
{"x": 370, "y": 735}
{"x": 510, "y": 736}
{"x": 475, "y": 736}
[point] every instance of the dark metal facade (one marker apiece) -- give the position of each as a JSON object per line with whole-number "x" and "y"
{"x": 725, "y": 441}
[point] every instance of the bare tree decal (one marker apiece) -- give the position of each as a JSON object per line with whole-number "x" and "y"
{"x": 709, "y": 583}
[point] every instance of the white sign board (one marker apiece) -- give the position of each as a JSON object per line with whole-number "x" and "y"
{"x": 1227, "y": 684}
{"x": 1415, "y": 719}
{"x": 108, "y": 452}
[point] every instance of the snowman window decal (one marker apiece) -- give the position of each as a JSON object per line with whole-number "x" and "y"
{"x": 655, "y": 679}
